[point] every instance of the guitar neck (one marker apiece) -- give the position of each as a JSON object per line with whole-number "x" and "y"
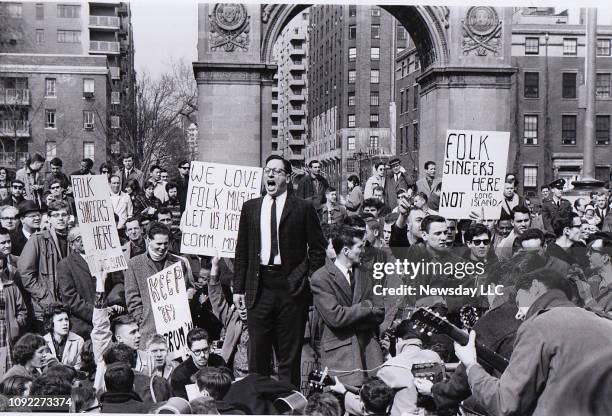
{"x": 484, "y": 354}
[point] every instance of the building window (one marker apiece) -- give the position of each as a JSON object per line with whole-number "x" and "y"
{"x": 88, "y": 120}
{"x": 569, "y": 85}
{"x": 352, "y": 74}
{"x": 88, "y": 86}
{"x": 350, "y": 165}
{"x": 415, "y": 136}
{"x": 602, "y": 173}
{"x": 602, "y": 86}
{"x": 350, "y": 143}
{"x": 568, "y": 130}
{"x": 50, "y": 150}
{"x": 530, "y": 129}
{"x": 373, "y": 142}
{"x": 570, "y": 46}
{"x": 50, "y": 87}
{"x": 68, "y": 10}
{"x": 602, "y": 130}
{"x": 89, "y": 150}
{"x": 352, "y": 10}
{"x": 352, "y": 54}
{"x": 401, "y": 33}
{"x": 374, "y": 76}
{"x": 11, "y": 9}
{"x": 68, "y": 36}
{"x": 50, "y": 119}
{"x": 415, "y": 97}
{"x": 375, "y": 31}
{"x": 375, "y": 54}
{"x": 352, "y": 32}
{"x": 351, "y": 98}
{"x": 374, "y": 120}
{"x": 351, "y": 120}
{"x": 375, "y": 12}
{"x": 374, "y": 98}
{"x": 603, "y": 47}
{"x": 115, "y": 122}
{"x": 40, "y": 11}
{"x": 532, "y": 46}
{"x": 40, "y": 36}
{"x": 530, "y": 176}
{"x": 532, "y": 84}
{"x": 402, "y": 93}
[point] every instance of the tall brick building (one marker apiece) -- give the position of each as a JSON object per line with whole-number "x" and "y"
{"x": 66, "y": 77}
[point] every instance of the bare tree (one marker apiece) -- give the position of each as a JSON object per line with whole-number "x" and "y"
{"x": 185, "y": 89}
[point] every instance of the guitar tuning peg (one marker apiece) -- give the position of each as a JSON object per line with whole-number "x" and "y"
{"x": 422, "y": 330}
{"x": 414, "y": 326}
{"x": 429, "y": 333}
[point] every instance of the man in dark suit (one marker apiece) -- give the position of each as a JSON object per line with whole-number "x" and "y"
{"x": 350, "y": 320}
{"x": 396, "y": 181}
{"x": 312, "y": 187}
{"x": 129, "y": 172}
{"x": 182, "y": 182}
{"x": 280, "y": 243}
{"x": 77, "y": 285}
{"x": 557, "y": 206}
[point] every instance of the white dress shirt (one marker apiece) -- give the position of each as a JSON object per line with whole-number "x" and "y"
{"x": 264, "y": 226}
{"x": 344, "y": 271}
{"x": 122, "y": 205}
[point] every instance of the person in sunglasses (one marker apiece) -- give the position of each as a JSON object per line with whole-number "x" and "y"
{"x": 16, "y": 193}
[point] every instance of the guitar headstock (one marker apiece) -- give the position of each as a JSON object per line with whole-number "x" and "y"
{"x": 317, "y": 380}
{"x": 426, "y": 321}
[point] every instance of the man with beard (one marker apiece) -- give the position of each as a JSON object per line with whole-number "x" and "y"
{"x": 521, "y": 221}
{"x": 280, "y": 243}
{"x": 141, "y": 267}
{"x": 350, "y": 320}
{"x": 557, "y": 206}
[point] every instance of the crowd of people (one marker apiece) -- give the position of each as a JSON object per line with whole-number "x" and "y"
{"x": 299, "y": 295}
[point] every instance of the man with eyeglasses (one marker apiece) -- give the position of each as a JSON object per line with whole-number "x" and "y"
{"x": 9, "y": 218}
{"x": 280, "y": 243}
{"x": 568, "y": 245}
{"x": 599, "y": 253}
{"x": 129, "y": 171}
{"x": 30, "y": 220}
{"x": 56, "y": 174}
{"x": 77, "y": 285}
{"x": 16, "y": 196}
{"x": 182, "y": 182}
{"x": 37, "y": 264}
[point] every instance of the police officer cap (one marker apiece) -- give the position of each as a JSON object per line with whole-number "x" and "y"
{"x": 559, "y": 184}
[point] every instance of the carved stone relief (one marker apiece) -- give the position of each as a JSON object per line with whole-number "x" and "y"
{"x": 229, "y": 27}
{"x": 481, "y": 32}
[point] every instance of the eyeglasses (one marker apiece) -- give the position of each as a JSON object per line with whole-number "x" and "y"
{"x": 481, "y": 242}
{"x": 184, "y": 167}
{"x": 17, "y": 187}
{"x": 55, "y": 187}
{"x": 105, "y": 171}
{"x": 76, "y": 239}
{"x": 200, "y": 352}
{"x": 8, "y": 218}
{"x": 276, "y": 171}
{"x": 59, "y": 215}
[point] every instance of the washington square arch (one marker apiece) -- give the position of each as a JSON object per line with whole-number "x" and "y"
{"x": 464, "y": 53}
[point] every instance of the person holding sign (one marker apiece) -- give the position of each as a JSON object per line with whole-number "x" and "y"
{"x": 147, "y": 264}
{"x": 280, "y": 243}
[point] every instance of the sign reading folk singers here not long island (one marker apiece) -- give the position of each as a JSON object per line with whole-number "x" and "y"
{"x": 474, "y": 171}
{"x": 215, "y": 197}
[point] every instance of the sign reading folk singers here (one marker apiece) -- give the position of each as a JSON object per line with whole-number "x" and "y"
{"x": 215, "y": 196}
{"x": 473, "y": 173}
{"x": 97, "y": 223}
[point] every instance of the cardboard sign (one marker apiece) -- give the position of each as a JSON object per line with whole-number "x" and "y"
{"x": 473, "y": 173}
{"x": 97, "y": 223}
{"x": 168, "y": 295}
{"x": 215, "y": 197}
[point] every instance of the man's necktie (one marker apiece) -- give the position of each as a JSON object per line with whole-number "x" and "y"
{"x": 273, "y": 232}
{"x": 350, "y": 275}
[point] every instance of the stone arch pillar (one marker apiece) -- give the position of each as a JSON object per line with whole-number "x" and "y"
{"x": 466, "y": 72}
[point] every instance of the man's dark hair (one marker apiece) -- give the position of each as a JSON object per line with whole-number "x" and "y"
{"x": 391, "y": 218}
{"x": 560, "y": 222}
{"x": 428, "y": 163}
{"x": 203, "y": 405}
{"x": 123, "y": 319}
{"x": 157, "y": 228}
{"x": 58, "y": 206}
{"x": 4, "y": 231}
{"x": 544, "y": 187}
{"x": 475, "y": 230}
{"x": 404, "y": 330}
{"x": 548, "y": 277}
{"x": 82, "y": 398}
{"x": 15, "y": 385}
{"x": 354, "y": 179}
{"x": 119, "y": 378}
{"x": 354, "y": 221}
{"x": 26, "y": 346}
{"x": 520, "y": 209}
{"x": 50, "y": 386}
{"x": 345, "y": 237}
{"x": 171, "y": 185}
{"x": 153, "y": 167}
{"x": 422, "y": 195}
{"x": 127, "y": 156}
{"x": 215, "y": 381}
{"x": 163, "y": 170}
{"x": 164, "y": 211}
{"x": 54, "y": 308}
{"x": 330, "y": 189}
{"x": 373, "y": 202}
{"x": 286, "y": 163}
{"x": 120, "y": 353}
{"x": 429, "y": 219}
{"x": 182, "y": 162}
{"x": 134, "y": 185}
{"x": 36, "y": 157}
{"x": 377, "y": 164}
{"x": 65, "y": 372}
{"x": 17, "y": 181}
{"x": 197, "y": 334}
{"x": 89, "y": 163}
{"x": 531, "y": 234}
{"x": 313, "y": 162}
{"x": 56, "y": 161}
{"x": 376, "y": 396}
{"x": 323, "y": 404}
{"x": 133, "y": 218}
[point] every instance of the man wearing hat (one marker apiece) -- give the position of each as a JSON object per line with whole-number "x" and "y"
{"x": 29, "y": 214}
{"x": 396, "y": 180}
{"x": 555, "y": 206}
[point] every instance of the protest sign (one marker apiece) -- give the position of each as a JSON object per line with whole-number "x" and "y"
{"x": 215, "y": 196}
{"x": 97, "y": 223}
{"x": 473, "y": 173}
{"x": 168, "y": 296}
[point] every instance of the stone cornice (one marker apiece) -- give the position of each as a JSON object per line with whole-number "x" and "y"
{"x": 233, "y": 73}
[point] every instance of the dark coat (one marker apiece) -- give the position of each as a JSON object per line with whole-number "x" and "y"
{"x": 300, "y": 240}
{"x": 350, "y": 323}
{"x": 182, "y": 184}
{"x": 391, "y": 188}
{"x": 181, "y": 376}
{"x": 257, "y": 393}
{"x": 77, "y": 290}
{"x": 550, "y": 210}
{"x": 306, "y": 190}
{"x": 134, "y": 174}
{"x": 18, "y": 241}
{"x": 122, "y": 403}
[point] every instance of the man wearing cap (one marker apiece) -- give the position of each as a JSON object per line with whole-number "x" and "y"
{"x": 29, "y": 214}
{"x": 555, "y": 206}
{"x": 396, "y": 180}
{"x": 16, "y": 196}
